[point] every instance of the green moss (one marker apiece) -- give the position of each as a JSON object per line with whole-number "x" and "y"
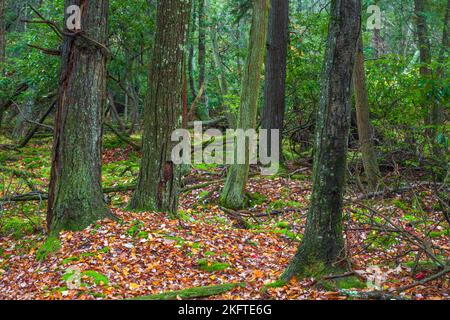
{"x": 254, "y": 199}
{"x": 197, "y": 292}
{"x": 17, "y": 227}
{"x": 350, "y": 283}
{"x": 97, "y": 278}
{"x": 48, "y": 248}
{"x": 282, "y": 204}
{"x": 212, "y": 266}
{"x": 275, "y": 284}
{"x": 135, "y": 228}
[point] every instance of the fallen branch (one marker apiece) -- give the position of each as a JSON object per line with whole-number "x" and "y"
{"x": 123, "y": 138}
{"x": 239, "y": 220}
{"x": 387, "y": 192}
{"x": 388, "y": 295}
{"x": 30, "y": 134}
{"x": 38, "y": 196}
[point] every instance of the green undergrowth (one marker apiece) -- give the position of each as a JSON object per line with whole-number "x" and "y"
{"x": 51, "y": 246}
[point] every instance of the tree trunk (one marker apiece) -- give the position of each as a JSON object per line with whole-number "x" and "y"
{"x": 75, "y": 192}
{"x": 192, "y": 29}
{"x": 222, "y": 79}
{"x": 233, "y": 192}
{"x": 438, "y": 115}
{"x": 202, "y": 110}
{"x": 365, "y": 134}
{"x": 2, "y": 50}
{"x": 422, "y": 36}
{"x": 158, "y": 180}
{"x": 275, "y": 85}
{"x": 322, "y": 249}
{"x": 424, "y": 45}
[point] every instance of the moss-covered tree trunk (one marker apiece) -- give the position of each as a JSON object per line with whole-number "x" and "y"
{"x": 233, "y": 193}
{"x": 202, "y": 110}
{"x": 275, "y": 79}
{"x": 322, "y": 249}
{"x": 158, "y": 180}
{"x": 365, "y": 134}
{"x": 75, "y": 192}
{"x": 2, "y": 50}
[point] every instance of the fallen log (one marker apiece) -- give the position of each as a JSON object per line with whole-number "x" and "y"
{"x": 38, "y": 196}
{"x": 207, "y": 123}
{"x": 197, "y": 292}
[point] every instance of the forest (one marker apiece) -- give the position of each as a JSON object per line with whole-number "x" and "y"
{"x": 224, "y": 150}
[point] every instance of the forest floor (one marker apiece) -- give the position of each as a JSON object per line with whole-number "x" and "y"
{"x": 392, "y": 241}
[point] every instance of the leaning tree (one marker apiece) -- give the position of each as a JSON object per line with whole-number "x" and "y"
{"x": 233, "y": 193}
{"x": 158, "y": 181}
{"x": 75, "y": 191}
{"x": 322, "y": 249}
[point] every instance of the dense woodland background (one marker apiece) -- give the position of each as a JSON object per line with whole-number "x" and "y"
{"x": 91, "y": 205}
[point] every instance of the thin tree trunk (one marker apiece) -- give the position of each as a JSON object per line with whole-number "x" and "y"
{"x": 365, "y": 133}
{"x": 322, "y": 249}
{"x": 424, "y": 45}
{"x": 222, "y": 79}
{"x": 192, "y": 29}
{"x": 115, "y": 113}
{"x": 438, "y": 115}
{"x": 158, "y": 181}
{"x": 75, "y": 192}
{"x": 2, "y": 50}
{"x": 275, "y": 85}
{"x": 233, "y": 193}
{"x": 202, "y": 110}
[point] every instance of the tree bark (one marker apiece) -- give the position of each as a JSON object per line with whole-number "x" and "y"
{"x": 2, "y": 50}
{"x": 158, "y": 181}
{"x": 75, "y": 191}
{"x": 275, "y": 79}
{"x": 424, "y": 45}
{"x": 322, "y": 250}
{"x": 222, "y": 79}
{"x": 438, "y": 114}
{"x": 192, "y": 29}
{"x": 423, "y": 41}
{"x": 365, "y": 133}
{"x": 233, "y": 193}
{"x": 202, "y": 110}
{"x": 2, "y": 34}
